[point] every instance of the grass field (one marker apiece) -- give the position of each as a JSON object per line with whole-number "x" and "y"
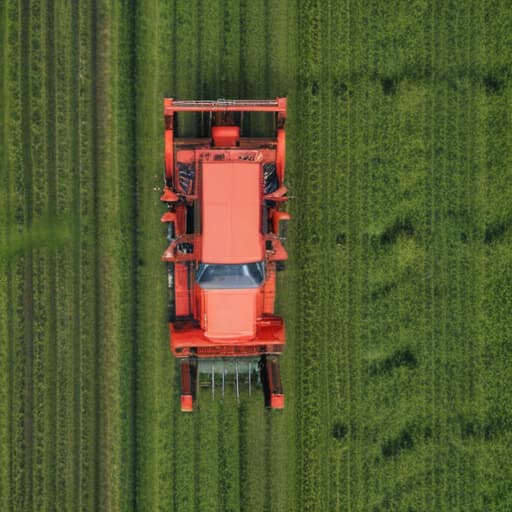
{"x": 397, "y": 295}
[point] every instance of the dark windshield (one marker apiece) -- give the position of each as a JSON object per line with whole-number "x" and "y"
{"x": 248, "y": 275}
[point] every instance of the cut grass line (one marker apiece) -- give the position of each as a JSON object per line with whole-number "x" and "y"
{"x": 209, "y": 67}
{"x": 231, "y": 50}
{"x": 66, "y": 423}
{"x": 253, "y": 441}
{"x": 51, "y": 297}
{"x": 75, "y": 211}
{"x": 5, "y": 355}
{"x": 155, "y": 372}
{"x": 87, "y": 285}
{"x": 125, "y": 143}
{"x": 15, "y": 228}
{"x": 207, "y": 441}
{"x": 39, "y": 293}
{"x": 27, "y": 282}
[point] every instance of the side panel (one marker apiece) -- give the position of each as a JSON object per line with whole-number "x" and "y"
{"x": 181, "y": 286}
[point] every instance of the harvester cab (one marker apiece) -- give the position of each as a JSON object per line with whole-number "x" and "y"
{"x": 224, "y": 190}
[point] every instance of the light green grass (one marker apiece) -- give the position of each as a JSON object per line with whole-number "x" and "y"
{"x": 396, "y": 296}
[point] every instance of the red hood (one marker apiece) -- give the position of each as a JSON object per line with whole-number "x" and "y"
{"x": 230, "y": 313}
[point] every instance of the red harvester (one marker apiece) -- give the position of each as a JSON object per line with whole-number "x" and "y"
{"x": 224, "y": 194}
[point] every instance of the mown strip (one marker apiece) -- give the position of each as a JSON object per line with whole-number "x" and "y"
{"x": 230, "y": 28}
{"x": 311, "y": 263}
{"x": 87, "y": 422}
{"x": 123, "y": 98}
{"x": 41, "y": 144}
{"x": 67, "y": 274}
{"x": 284, "y": 36}
{"x": 5, "y": 456}
{"x": 28, "y": 82}
{"x": 14, "y": 225}
{"x": 207, "y": 446}
{"x": 280, "y": 43}
{"x": 186, "y": 86}
{"x": 253, "y": 449}
{"x": 339, "y": 392}
{"x": 156, "y": 395}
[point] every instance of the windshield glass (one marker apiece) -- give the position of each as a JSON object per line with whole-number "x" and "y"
{"x": 248, "y": 275}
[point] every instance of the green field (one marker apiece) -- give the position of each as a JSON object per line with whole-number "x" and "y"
{"x": 397, "y": 294}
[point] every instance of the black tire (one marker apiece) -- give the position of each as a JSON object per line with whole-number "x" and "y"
{"x": 280, "y": 265}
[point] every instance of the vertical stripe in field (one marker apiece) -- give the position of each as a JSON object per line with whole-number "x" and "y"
{"x": 312, "y": 264}
{"x": 284, "y": 55}
{"x": 156, "y": 393}
{"x": 66, "y": 277}
{"x": 339, "y": 392}
{"x": 230, "y": 53}
{"x": 89, "y": 406}
{"x": 228, "y": 454}
{"x": 43, "y": 200}
{"x": 5, "y": 356}
{"x": 253, "y": 79}
{"x": 357, "y": 264}
{"x": 49, "y": 492}
{"x": 168, "y": 375}
{"x": 15, "y": 231}
{"x": 27, "y": 86}
{"x": 470, "y": 279}
{"x": 123, "y": 97}
{"x": 210, "y": 65}
{"x": 426, "y": 346}
{"x": 186, "y": 86}
{"x": 280, "y": 34}
{"x": 147, "y": 383}
{"x": 495, "y": 420}
{"x": 432, "y": 330}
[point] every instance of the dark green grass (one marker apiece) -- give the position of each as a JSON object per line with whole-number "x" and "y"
{"x": 397, "y": 294}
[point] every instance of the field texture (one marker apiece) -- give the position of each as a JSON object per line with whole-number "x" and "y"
{"x": 397, "y": 295}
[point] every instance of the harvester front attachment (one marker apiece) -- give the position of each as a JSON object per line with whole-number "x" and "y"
{"x": 231, "y": 376}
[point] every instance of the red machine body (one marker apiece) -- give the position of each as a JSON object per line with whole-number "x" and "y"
{"x": 225, "y": 195}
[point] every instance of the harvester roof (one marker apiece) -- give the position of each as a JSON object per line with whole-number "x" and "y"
{"x": 231, "y": 209}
